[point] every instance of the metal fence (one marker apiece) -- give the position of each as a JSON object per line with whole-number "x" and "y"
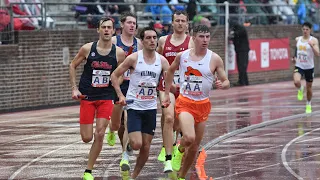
{"x": 67, "y": 16}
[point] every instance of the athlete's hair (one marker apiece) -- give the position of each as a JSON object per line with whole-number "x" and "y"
{"x": 126, "y": 14}
{"x": 200, "y": 28}
{"x": 307, "y": 24}
{"x": 179, "y": 12}
{"x": 142, "y": 33}
{"x": 104, "y": 19}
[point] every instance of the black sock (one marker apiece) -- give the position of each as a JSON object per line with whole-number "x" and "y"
{"x": 88, "y": 171}
{"x": 168, "y": 157}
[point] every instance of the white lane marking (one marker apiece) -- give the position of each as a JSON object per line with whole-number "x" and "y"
{"x": 264, "y": 167}
{"x": 38, "y": 158}
{"x": 284, "y": 151}
{"x": 307, "y": 140}
{"x": 36, "y": 136}
{"x": 247, "y": 152}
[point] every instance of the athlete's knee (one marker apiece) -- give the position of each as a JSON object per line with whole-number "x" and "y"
{"x": 135, "y": 144}
{"x": 145, "y": 148}
{"x": 115, "y": 126}
{"x": 98, "y": 135}
{"x": 86, "y": 139}
{"x": 296, "y": 82}
{"x": 188, "y": 139}
{"x": 169, "y": 119}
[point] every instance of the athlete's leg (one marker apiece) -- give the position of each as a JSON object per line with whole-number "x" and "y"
{"x": 104, "y": 110}
{"x": 186, "y": 121}
{"x": 297, "y": 79}
{"x": 168, "y": 123}
{"x": 193, "y": 149}
{"x": 143, "y": 154}
{"x": 115, "y": 125}
{"x": 297, "y": 82}
{"x": 148, "y": 127}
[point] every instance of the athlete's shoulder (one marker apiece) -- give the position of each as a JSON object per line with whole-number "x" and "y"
{"x": 314, "y": 38}
{"x": 133, "y": 55}
{"x": 297, "y": 38}
{"x": 163, "y": 38}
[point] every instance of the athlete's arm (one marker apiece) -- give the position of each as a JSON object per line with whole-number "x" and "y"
{"x": 161, "y": 44}
{"x": 217, "y": 63}
{"x": 293, "y": 60}
{"x": 121, "y": 55}
{"x": 170, "y": 73}
{"x": 77, "y": 60}
{"x": 315, "y": 46}
{"x": 128, "y": 63}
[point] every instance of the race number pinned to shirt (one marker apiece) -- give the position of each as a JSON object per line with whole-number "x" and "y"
{"x": 100, "y": 78}
{"x": 176, "y": 77}
{"x": 147, "y": 90}
{"x": 302, "y": 57}
{"x": 192, "y": 85}
{"x": 126, "y": 75}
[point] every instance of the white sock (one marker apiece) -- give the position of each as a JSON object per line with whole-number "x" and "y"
{"x": 125, "y": 155}
{"x": 308, "y": 102}
{"x": 301, "y": 88}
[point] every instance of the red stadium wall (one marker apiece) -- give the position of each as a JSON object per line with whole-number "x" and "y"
{"x": 33, "y": 73}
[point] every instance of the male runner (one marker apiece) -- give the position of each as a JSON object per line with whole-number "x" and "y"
{"x": 145, "y": 67}
{"x": 102, "y": 59}
{"x": 169, "y": 46}
{"x": 307, "y": 47}
{"x": 197, "y": 67}
{"x": 129, "y": 44}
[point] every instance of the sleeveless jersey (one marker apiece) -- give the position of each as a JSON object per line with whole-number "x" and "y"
{"x": 95, "y": 79}
{"x": 196, "y": 77}
{"x": 305, "y": 54}
{"x": 170, "y": 52}
{"x": 143, "y": 83}
{"x": 128, "y": 50}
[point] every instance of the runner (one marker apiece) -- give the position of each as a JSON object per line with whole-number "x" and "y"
{"x": 145, "y": 67}
{"x": 307, "y": 47}
{"x": 169, "y": 46}
{"x": 102, "y": 59}
{"x": 197, "y": 67}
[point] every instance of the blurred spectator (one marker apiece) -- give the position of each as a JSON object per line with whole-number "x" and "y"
{"x": 198, "y": 19}
{"x": 166, "y": 28}
{"x": 92, "y": 11}
{"x": 159, "y": 12}
{"x": 192, "y": 8}
{"x": 174, "y": 5}
{"x": 232, "y": 9}
{"x": 118, "y": 29}
{"x": 115, "y": 9}
{"x": 159, "y": 28}
{"x": 239, "y": 36}
{"x": 283, "y": 9}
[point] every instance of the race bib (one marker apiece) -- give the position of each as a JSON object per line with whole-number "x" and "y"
{"x": 126, "y": 75}
{"x": 302, "y": 58}
{"x": 100, "y": 78}
{"x": 147, "y": 90}
{"x": 176, "y": 77}
{"x": 192, "y": 85}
